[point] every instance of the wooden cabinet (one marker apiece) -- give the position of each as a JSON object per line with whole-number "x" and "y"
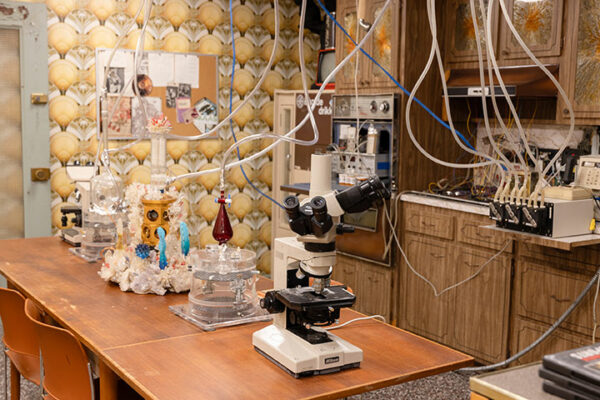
{"x": 539, "y": 24}
{"x": 524, "y": 332}
{"x": 462, "y": 47}
{"x": 582, "y": 62}
{"x": 371, "y": 283}
{"x": 383, "y": 46}
{"x": 481, "y": 305}
{"x": 424, "y": 313}
{"x": 442, "y": 247}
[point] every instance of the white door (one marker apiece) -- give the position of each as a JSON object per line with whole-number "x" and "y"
{"x": 24, "y": 126}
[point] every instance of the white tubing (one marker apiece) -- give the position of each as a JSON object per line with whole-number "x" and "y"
{"x": 285, "y": 137}
{"x": 409, "y": 128}
{"x": 492, "y": 58}
{"x": 483, "y": 97}
{"x": 433, "y": 28}
{"x": 248, "y": 96}
{"x": 554, "y": 81}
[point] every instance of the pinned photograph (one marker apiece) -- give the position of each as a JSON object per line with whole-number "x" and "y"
{"x": 153, "y": 109}
{"x": 183, "y": 105}
{"x": 185, "y": 90}
{"x": 120, "y": 124}
{"x": 171, "y": 96}
{"x": 115, "y": 80}
{"x": 206, "y": 115}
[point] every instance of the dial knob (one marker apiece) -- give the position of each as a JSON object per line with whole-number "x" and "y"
{"x": 373, "y": 106}
{"x": 384, "y": 107}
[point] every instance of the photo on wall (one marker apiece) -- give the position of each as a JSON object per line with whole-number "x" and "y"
{"x": 171, "y": 96}
{"x": 120, "y": 123}
{"x": 153, "y": 109}
{"x": 115, "y": 80}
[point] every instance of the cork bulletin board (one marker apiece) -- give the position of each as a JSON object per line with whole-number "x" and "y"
{"x": 182, "y": 86}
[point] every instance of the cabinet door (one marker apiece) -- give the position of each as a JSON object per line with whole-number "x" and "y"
{"x": 582, "y": 70}
{"x": 345, "y": 272}
{"x": 347, "y": 17}
{"x": 482, "y": 304}
{"x": 525, "y": 332}
{"x": 539, "y": 24}
{"x": 384, "y": 45}
{"x": 463, "y": 46}
{"x": 544, "y": 291}
{"x": 426, "y": 314}
{"x": 375, "y": 288}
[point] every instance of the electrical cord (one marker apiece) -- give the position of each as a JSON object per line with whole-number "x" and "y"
{"x": 286, "y": 136}
{"x": 231, "y": 107}
{"x": 556, "y": 324}
{"x": 380, "y": 317}
{"x": 437, "y": 293}
{"x": 406, "y": 91}
{"x": 594, "y": 312}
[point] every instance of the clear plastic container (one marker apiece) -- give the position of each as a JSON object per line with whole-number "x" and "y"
{"x": 223, "y": 284}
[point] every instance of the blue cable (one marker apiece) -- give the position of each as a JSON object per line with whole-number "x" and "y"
{"x": 444, "y": 124}
{"x": 231, "y": 107}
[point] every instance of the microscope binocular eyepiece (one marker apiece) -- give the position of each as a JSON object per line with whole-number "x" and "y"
{"x": 319, "y": 208}
{"x": 361, "y": 197}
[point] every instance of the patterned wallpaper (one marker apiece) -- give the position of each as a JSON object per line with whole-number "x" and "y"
{"x": 76, "y": 27}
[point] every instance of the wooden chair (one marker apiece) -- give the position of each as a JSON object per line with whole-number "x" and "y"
{"x": 67, "y": 371}
{"x": 20, "y": 341}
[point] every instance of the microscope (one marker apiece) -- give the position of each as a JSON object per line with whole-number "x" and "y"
{"x": 303, "y": 302}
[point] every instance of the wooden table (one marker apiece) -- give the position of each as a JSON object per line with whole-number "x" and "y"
{"x": 162, "y": 356}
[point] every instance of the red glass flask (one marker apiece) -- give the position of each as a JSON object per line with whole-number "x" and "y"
{"x": 222, "y": 230}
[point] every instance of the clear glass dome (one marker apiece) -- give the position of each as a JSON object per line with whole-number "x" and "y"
{"x": 223, "y": 284}
{"x": 106, "y": 190}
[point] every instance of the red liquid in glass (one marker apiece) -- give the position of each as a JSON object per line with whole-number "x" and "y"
{"x": 222, "y": 230}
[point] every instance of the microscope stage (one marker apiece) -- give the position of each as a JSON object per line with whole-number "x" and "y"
{"x": 305, "y": 298}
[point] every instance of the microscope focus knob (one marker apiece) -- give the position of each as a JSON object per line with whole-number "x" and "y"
{"x": 340, "y": 229}
{"x": 271, "y": 304}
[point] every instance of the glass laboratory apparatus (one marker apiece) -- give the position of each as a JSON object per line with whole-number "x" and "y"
{"x": 102, "y": 217}
{"x": 223, "y": 290}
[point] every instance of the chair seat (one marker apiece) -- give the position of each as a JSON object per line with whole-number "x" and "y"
{"x": 27, "y": 365}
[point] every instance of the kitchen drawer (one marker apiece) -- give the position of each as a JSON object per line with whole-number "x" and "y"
{"x": 428, "y": 223}
{"x": 469, "y": 230}
{"x": 544, "y": 292}
{"x": 525, "y": 332}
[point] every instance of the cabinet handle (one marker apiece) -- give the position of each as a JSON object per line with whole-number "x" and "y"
{"x": 559, "y": 300}
{"x": 437, "y": 255}
{"x": 425, "y": 224}
{"x": 468, "y": 264}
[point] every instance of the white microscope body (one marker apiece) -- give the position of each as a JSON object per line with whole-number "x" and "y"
{"x": 297, "y": 341}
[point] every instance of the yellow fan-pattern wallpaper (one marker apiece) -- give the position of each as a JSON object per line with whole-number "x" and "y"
{"x": 77, "y": 27}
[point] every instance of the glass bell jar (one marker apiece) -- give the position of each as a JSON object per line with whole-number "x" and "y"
{"x": 223, "y": 290}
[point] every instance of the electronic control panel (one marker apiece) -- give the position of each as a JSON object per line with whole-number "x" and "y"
{"x": 588, "y": 172}
{"x": 371, "y": 106}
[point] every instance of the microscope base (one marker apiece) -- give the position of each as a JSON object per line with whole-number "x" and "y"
{"x": 300, "y": 358}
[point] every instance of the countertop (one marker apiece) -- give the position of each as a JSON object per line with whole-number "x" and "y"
{"x": 450, "y": 203}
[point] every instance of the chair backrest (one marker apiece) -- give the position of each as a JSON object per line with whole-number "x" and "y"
{"x": 66, "y": 369}
{"x": 19, "y": 332}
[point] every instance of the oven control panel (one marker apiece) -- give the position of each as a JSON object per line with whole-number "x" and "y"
{"x": 364, "y": 107}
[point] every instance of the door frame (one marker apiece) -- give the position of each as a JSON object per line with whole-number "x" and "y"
{"x": 31, "y": 21}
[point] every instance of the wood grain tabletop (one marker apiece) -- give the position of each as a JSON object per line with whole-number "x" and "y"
{"x": 164, "y": 357}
